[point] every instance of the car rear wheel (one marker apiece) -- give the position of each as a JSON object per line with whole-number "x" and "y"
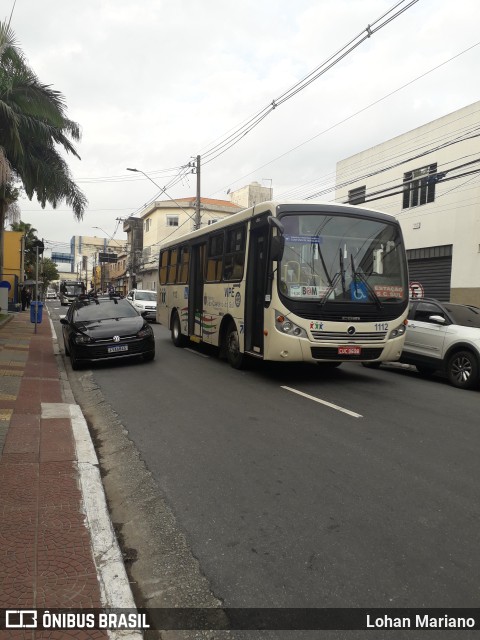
{"x": 178, "y": 339}
{"x": 462, "y": 370}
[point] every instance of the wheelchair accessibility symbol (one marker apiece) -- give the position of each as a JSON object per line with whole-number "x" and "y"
{"x": 358, "y": 292}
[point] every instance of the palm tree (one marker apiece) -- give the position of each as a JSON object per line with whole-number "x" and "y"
{"x": 33, "y": 125}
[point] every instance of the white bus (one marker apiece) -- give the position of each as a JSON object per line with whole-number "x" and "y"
{"x": 289, "y": 282}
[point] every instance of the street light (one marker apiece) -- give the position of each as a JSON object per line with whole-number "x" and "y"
{"x": 148, "y": 178}
{"x": 195, "y": 218}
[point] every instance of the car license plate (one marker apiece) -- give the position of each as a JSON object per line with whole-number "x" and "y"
{"x": 123, "y": 347}
{"x": 349, "y": 351}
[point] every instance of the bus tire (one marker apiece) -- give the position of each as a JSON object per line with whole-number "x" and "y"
{"x": 178, "y": 339}
{"x": 232, "y": 347}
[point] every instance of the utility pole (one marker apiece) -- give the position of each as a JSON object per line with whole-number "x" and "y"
{"x": 197, "y": 203}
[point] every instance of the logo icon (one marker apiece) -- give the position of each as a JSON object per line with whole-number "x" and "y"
{"x": 116, "y": 338}
{"x": 20, "y": 619}
{"x": 351, "y": 331}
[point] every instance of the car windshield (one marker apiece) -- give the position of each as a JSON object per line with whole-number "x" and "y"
{"x": 146, "y": 295}
{"x": 103, "y": 310}
{"x": 464, "y": 315}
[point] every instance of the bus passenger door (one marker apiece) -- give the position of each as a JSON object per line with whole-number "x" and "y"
{"x": 256, "y": 287}
{"x": 195, "y": 293}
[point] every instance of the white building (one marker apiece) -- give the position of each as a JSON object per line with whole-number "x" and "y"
{"x": 428, "y": 178}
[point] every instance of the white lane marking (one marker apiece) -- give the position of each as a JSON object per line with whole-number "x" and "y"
{"x": 327, "y": 404}
{"x": 202, "y": 355}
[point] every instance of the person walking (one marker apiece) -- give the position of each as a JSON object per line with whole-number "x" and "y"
{"x": 29, "y": 298}
{"x": 23, "y": 298}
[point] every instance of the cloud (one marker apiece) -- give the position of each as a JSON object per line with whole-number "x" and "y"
{"x": 154, "y": 83}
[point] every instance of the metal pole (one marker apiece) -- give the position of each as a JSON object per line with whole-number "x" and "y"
{"x": 197, "y": 203}
{"x": 36, "y": 288}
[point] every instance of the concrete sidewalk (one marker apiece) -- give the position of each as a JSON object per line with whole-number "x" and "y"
{"x": 57, "y": 545}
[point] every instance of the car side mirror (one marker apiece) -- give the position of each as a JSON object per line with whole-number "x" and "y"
{"x": 437, "y": 319}
{"x": 63, "y": 320}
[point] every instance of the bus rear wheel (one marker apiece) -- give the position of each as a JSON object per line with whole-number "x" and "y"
{"x": 178, "y": 339}
{"x": 234, "y": 356}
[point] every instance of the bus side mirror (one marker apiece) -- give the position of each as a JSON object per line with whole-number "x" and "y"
{"x": 276, "y": 248}
{"x": 277, "y": 243}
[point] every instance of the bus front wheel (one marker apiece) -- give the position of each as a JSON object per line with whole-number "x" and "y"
{"x": 234, "y": 356}
{"x": 178, "y": 338}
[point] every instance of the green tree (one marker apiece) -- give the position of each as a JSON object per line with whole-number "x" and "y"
{"x": 49, "y": 272}
{"x": 33, "y": 127}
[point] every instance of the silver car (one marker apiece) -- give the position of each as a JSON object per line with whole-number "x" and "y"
{"x": 442, "y": 336}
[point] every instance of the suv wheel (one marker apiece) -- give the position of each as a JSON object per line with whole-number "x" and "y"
{"x": 462, "y": 370}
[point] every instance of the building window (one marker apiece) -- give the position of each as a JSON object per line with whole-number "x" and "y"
{"x": 419, "y": 186}
{"x": 172, "y": 221}
{"x": 357, "y": 195}
{"x": 147, "y": 224}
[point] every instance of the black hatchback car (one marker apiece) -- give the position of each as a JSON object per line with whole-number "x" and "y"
{"x": 106, "y": 328}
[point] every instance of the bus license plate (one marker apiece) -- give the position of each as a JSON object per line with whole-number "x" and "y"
{"x": 349, "y": 351}
{"x": 123, "y": 347}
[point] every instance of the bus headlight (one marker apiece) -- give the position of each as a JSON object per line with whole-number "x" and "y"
{"x": 287, "y": 326}
{"x": 396, "y": 333}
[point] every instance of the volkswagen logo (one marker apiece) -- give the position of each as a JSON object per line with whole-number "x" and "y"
{"x": 351, "y": 331}
{"x": 117, "y": 338}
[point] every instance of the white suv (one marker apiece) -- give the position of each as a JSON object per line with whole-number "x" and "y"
{"x": 144, "y": 300}
{"x": 444, "y": 337}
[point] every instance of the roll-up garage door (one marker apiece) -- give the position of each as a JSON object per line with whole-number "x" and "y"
{"x": 431, "y": 268}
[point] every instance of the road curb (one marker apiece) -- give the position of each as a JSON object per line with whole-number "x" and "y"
{"x": 114, "y": 585}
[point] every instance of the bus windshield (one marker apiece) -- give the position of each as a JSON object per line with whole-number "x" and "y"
{"x": 342, "y": 258}
{"x": 73, "y": 289}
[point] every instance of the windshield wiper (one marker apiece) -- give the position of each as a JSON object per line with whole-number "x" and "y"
{"x": 333, "y": 283}
{"x": 358, "y": 274}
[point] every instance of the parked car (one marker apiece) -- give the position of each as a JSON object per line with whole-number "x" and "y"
{"x": 144, "y": 300}
{"x": 105, "y": 328}
{"x": 445, "y": 337}
{"x": 51, "y": 294}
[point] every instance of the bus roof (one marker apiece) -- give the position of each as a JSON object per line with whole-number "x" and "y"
{"x": 277, "y": 208}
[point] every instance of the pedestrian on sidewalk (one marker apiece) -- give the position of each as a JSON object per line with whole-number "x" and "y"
{"x": 23, "y": 298}
{"x": 29, "y": 298}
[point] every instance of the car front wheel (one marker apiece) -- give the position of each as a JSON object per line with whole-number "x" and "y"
{"x": 462, "y": 370}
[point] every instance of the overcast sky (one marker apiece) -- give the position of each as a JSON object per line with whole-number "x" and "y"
{"x": 156, "y": 82}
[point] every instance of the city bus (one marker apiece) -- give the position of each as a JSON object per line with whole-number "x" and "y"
{"x": 70, "y": 290}
{"x": 292, "y": 282}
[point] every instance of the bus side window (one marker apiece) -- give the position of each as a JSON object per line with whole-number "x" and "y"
{"x": 172, "y": 266}
{"x": 163, "y": 267}
{"x": 215, "y": 258}
{"x": 234, "y": 254}
{"x": 183, "y": 265}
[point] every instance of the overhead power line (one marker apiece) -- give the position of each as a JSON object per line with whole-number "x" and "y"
{"x": 232, "y": 139}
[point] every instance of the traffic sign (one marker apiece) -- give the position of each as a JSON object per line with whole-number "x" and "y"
{"x": 416, "y": 290}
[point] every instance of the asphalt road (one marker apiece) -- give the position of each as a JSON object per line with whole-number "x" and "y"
{"x": 299, "y": 487}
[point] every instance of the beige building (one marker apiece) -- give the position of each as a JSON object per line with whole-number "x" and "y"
{"x": 169, "y": 219}
{"x": 429, "y": 179}
{"x": 251, "y": 195}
